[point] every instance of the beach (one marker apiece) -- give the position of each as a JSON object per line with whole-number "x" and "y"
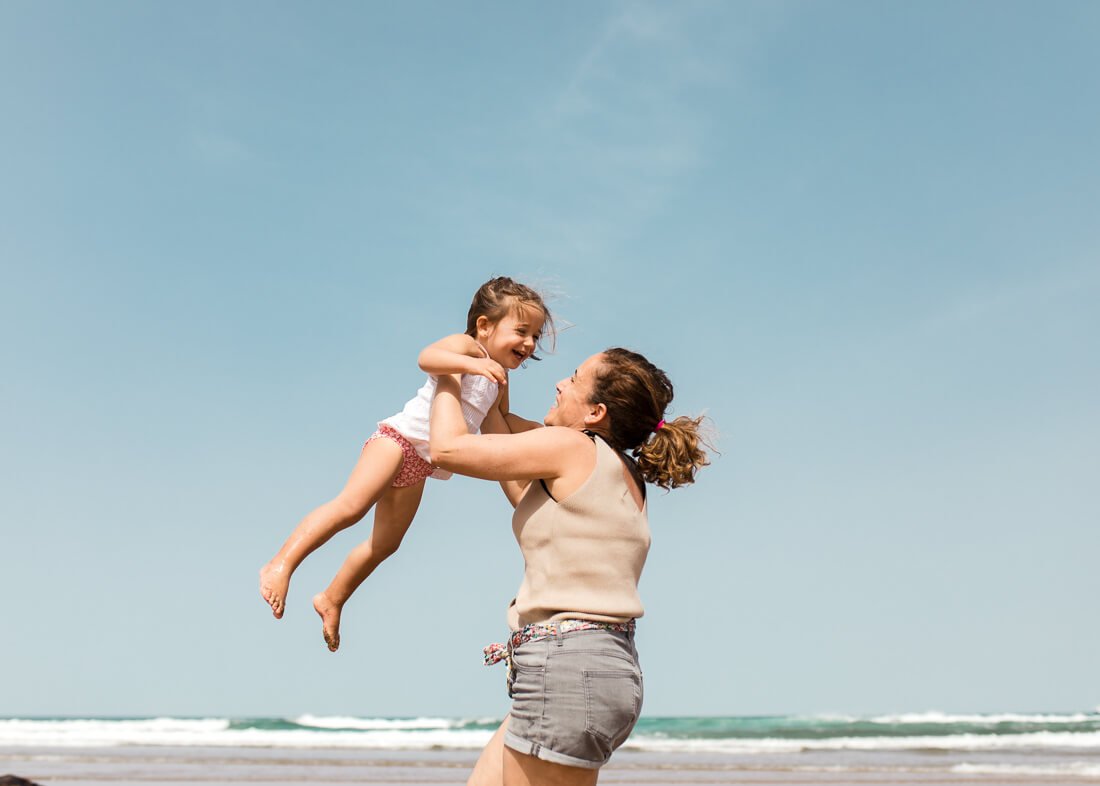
{"x": 165, "y": 766}
{"x": 912, "y": 749}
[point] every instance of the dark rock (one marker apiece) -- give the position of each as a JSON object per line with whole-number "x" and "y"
{"x": 15, "y": 780}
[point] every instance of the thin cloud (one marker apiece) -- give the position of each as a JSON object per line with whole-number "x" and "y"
{"x": 218, "y": 148}
{"x": 616, "y": 140}
{"x": 1011, "y": 299}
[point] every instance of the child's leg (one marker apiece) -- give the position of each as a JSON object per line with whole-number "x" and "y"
{"x": 378, "y": 464}
{"x": 392, "y": 517}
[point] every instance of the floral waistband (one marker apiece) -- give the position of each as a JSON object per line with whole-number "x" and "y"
{"x": 497, "y": 652}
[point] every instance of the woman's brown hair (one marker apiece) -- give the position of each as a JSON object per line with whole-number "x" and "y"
{"x": 636, "y": 394}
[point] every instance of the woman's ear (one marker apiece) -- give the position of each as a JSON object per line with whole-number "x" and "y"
{"x": 597, "y": 414}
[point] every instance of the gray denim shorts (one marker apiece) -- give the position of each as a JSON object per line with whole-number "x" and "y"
{"x": 575, "y": 696}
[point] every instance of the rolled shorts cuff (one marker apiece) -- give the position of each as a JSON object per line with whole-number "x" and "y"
{"x": 520, "y": 745}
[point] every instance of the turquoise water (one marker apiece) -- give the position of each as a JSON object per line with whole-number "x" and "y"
{"x": 733, "y": 734}
{"x": 887, "y": 726}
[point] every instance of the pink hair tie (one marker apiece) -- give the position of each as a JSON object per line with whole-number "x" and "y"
{"x": 660, "y": 425}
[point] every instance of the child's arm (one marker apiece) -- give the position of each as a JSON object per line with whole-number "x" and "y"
{"x": 516, "y": 424}
{"x": 460, "y": 354}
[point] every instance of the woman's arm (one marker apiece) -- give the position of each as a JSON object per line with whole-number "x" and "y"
{"x": 539, "y": 453}
{"x": 460, "y": 354}
{"x": 495, "y": 423}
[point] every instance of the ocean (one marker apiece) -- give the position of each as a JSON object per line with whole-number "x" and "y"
{"x": 901, "y": 748}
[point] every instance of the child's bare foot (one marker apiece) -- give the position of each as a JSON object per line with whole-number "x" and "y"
{"x": 274, "y": 584}
{"x": 330, "y": 620}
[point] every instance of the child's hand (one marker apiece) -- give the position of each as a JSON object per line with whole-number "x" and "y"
{"x": 490, "y": 369}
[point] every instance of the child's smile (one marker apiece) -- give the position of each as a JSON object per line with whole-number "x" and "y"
{"x": 513, "y": 339}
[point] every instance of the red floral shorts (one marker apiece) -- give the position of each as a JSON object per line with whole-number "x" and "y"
{"x": 413, "y": 469}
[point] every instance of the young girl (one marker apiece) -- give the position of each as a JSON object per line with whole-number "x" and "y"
{"x": 503, "y": 328}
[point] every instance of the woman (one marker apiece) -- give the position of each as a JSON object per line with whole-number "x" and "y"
{"x": 581, "y": 524}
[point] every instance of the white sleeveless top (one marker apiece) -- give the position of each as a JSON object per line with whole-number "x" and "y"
{"x": 478, "y": 395}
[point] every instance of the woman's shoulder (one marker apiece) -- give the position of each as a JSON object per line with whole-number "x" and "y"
{"x": 564, "y": 436}
{"x": 614, "y": 462}
{"x": 602, "y": 445}
{"x": 565, "y": 447}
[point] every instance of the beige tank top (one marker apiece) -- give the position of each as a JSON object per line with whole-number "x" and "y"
{"x": 584, "y": 554}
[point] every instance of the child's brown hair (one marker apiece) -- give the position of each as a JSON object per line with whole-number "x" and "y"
{"x": 498, "y": 297}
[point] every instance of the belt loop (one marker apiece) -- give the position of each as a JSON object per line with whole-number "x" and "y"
{"x": 510, "y": 664}
{"x": 558, "y": 637}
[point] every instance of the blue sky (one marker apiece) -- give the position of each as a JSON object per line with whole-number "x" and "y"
{"x": 861, "y": 236}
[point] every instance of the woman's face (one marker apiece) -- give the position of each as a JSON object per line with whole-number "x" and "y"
{"x": 571, "y": 404}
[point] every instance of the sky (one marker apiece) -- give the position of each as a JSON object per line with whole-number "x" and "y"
{"x": 861, "y": 237}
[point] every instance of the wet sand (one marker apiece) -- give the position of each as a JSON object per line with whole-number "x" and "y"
{"x": 173, "y": 766}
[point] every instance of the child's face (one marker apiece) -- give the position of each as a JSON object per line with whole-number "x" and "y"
{"x": 512, "y": 340}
